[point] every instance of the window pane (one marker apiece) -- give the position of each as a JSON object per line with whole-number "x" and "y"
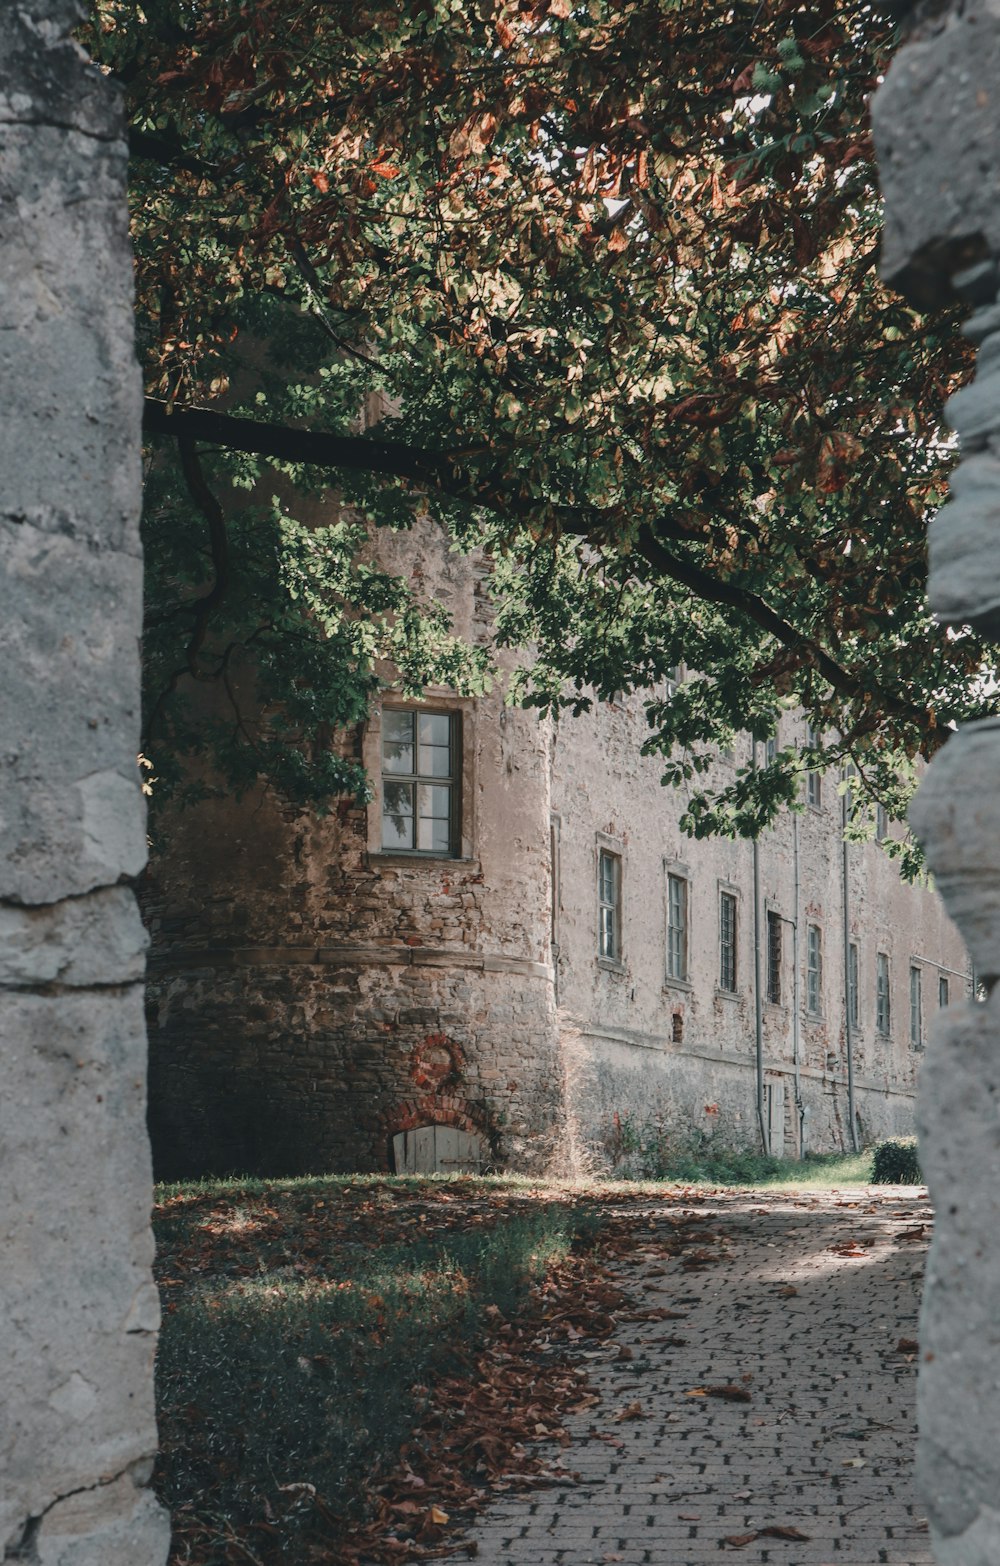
{"x": 852, "y": 984}
{"x": 434, "y": 745}
{"x": 397, "y": 742}
{"x": 434, "y": 810}
{"x": 774, "y": 958}
{"x": 727, "y": 942}
{"x": 608, "y": 887}
{"x": 942, "y": 992}
{"x": 397, "y": 815}
{"x": 676, "y": 927}
{"x": 435, "y": 728}
{"x": 434, "y": 835}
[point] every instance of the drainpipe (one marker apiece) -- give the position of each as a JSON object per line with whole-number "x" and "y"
{"x": 796, "y": 990}
{"x": 757, "y": 994}
{"x": 849, "y": 1029}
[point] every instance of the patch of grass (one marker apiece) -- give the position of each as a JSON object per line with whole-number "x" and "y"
{"x": 735, "y": 1167}
{"x": 296, "y": 1352}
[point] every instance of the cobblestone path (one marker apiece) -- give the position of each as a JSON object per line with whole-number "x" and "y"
{"x": 804, "y": 1308}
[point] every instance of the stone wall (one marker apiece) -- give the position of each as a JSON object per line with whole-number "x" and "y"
{"x": 78, "y": 1309}
{"x": 937, "y": 128}
{"x": 312, "y": 995}
{"x": 651, "y": 1047}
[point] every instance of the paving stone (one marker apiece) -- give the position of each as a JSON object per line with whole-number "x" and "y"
{"x": 826, "y": 1444}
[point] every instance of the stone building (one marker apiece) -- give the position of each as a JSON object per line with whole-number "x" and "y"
{"x": 514, "y": 954}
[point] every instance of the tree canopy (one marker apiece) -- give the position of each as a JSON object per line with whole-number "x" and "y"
{"x": 610, "y": 269}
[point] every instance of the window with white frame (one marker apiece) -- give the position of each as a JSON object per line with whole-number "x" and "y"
{"x": 916, "y": 1008}
{"x": 943, "y": 992}
{"x": 609, "y": 901}
{"x": 814, "y": 970}
{"x": 883, "y": 1016}
{"x": 814, "y": 785}
{"x": 881, "y": 823}
{"x": 677, "y": 926}
{"x": 727, "y": 942}
{"x": 420, "y": 781}
{"x": 853, "y": 1003}
{"x": 671, "y": 681}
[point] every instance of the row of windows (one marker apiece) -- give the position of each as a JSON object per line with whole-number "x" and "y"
{"x": 678, "y": 903}
{"x": 420, "y": 780}
{"x": 420, "y": 815}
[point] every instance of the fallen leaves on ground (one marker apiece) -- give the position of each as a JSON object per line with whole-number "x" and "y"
{"x": 738, "y": 1541}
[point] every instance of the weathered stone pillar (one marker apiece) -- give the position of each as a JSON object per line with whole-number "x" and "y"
{"x": 78, "y": 1309}
{"x": 937, "y": 125}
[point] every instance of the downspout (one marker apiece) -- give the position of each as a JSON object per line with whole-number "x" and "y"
{"x": 758, "y": 998}
{"x": 797, "y": 991}
{"x": 848, "y": 1029}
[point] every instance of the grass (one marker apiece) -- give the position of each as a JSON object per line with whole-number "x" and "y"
{"x": 304, "y": 1323}
{"x": 736, "y": 1167}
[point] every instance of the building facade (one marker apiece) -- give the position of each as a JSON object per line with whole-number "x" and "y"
{"x": 514, "y": 952}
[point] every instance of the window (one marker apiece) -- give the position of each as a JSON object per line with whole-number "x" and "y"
{"x": 609, "y": 897}
{"x": 671, "y": 682}
{"x": 883, "y": 1019}
{"x": 852, "y": 985}
{"x": 771, "y": 750}
{"x": 848, "y": 775}
{"x": 916, "y": 1016}
{"x": 727, "y": 942}
{"x": 942, "y": 991}
{"x": 881, "y": 823}
{"x": 774, "y": 958}
{"x": 419, "y": 782}
{"x": 677, "y": 927}
{"x": 814, "y": 970}
{"x": 814, "y": 786}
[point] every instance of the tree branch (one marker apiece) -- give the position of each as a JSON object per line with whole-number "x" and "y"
{"x": 443, "y": 472}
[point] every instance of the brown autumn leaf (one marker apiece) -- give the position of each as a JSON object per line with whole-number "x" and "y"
{"x": 907, "y": 1346}
{"x": 731, "y": 1393}
{"x": 630, "y": 1411}
{"x": 837, "y": 452}
{"x": 736, "y": 1541}
{"x": 781, "y": 1531}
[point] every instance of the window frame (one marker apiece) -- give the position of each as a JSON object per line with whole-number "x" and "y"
{"x": 944, "y": 991}
{"x": 814, "y": 778}
{"x": 728, "y": 896}
{"x": 453, "y": 781}
{"x": 772, "y": 990}
{"x": 916, "y": 1006}
{"x": 613, "y": 855}
{"x": 883, "y": 1015}
{"x": 814, "y": 970}
{"x": 676, "y": 876}
{"x": 854, "y": 986}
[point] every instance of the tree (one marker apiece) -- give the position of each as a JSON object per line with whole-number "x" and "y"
{"x": 611, "y": 266}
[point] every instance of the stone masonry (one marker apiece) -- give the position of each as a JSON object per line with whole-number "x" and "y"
{"x": 937, "y": 125}
{"x": 312, "y": 994}
{"x": 78, "y": 1308}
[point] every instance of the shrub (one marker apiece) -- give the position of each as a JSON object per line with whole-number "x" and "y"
{"x": 896, "y": 1163}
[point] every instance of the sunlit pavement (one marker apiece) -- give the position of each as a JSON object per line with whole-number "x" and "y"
{"x": 809, "y": 1305}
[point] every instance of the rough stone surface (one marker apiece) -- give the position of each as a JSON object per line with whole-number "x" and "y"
{"x": 78, "y": 1308}
{"x": 310, "y": 996}
{"x": 935, "y": 121}
{"x": 803, "y": 1310}
{"x": 937, "y": 125}
{"x": 959, "y": 1119}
